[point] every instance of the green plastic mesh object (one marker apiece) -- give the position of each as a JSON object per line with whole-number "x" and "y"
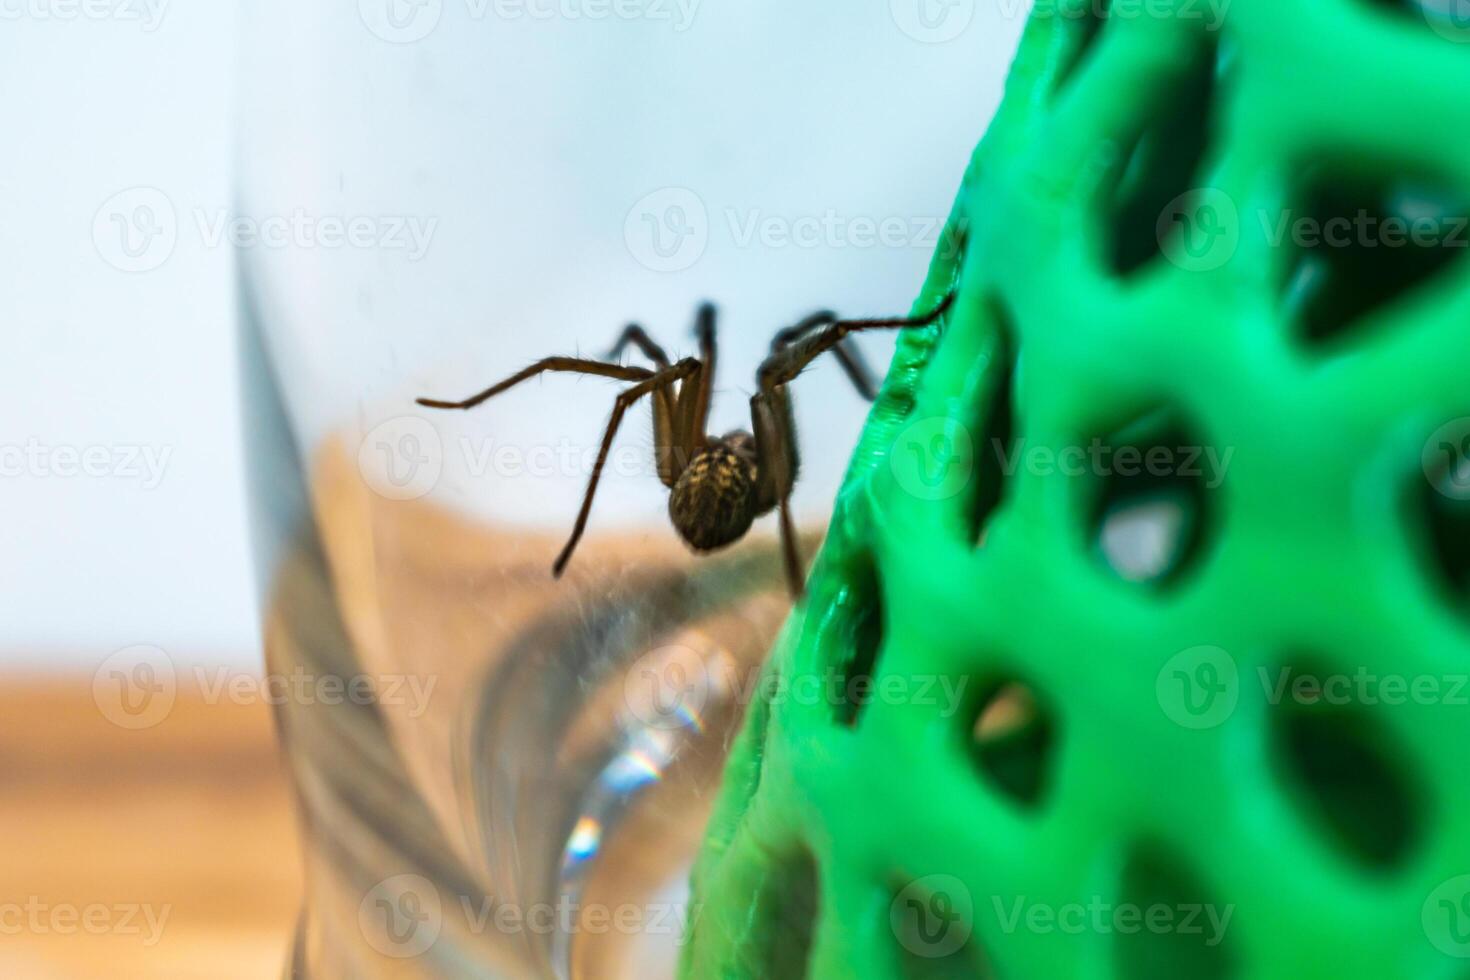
{"x": 1146, "y": 593}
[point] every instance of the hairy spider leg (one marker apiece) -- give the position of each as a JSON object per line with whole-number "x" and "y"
{"x": 573, "y": 365}
{"x": 777, "y": 463}
{"x": 686, "y": 371}
{"x": 772, "y": 416}
{"x": 636, "y": 336}
{"x": 847, "y": 353}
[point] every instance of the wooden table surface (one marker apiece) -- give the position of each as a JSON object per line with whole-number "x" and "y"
{"x": 169, "y": 852}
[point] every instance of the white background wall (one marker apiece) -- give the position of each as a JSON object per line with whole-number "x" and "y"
{"x": 130, "y": 375}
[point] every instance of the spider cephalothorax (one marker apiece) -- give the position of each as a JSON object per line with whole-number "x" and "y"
{"x": 717, "y": 486}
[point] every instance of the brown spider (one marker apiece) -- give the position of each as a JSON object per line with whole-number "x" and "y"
{"x": 718, "y": 485}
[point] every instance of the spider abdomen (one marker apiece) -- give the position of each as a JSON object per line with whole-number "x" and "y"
{"x": 712, "y": 503}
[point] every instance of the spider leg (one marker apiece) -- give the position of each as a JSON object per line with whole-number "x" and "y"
{"x": 678, "y": 372}
{"x": 789, "y": 360}
{"x": 697, "y": 421}
{"x": 664, "y": 419}
{"x": 777, "y": 462}
{"x": 638, "y": 337}
{"x": 574, "y": 365}
{"x": 772, "y": 418}
{"x": 854, "y": 365}
{"x": 791, "y": 334}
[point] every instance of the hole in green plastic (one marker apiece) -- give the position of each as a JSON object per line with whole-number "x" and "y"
{"x": 1087, "y": 25}
{"x": 1174, "y": 928}
{"x": 786, "y": 912}
{"x": 1163, "y": 164}
{"x": 997, "y": 426}
{"x": 1154, "y": 503}
{"x": 1358, "y": 245}
{"x": 1441, "y": 504}
{"x": 1338, "y": 764}
{"x": 1014, "y": 738}
{"x": 858, "y": 622}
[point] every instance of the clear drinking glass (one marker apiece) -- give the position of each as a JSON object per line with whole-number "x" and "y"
{"x": 500, "y": 773}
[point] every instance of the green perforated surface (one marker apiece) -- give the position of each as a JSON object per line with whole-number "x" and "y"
{"x": 1191, "y": 746}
